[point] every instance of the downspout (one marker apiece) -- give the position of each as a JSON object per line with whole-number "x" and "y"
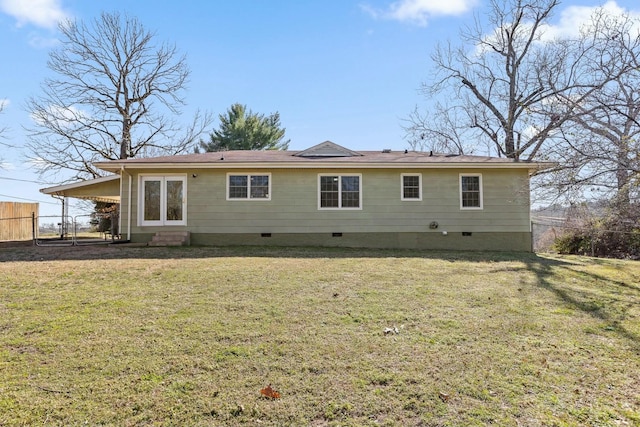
{"x": 122, "y": 172}
{"x": 129, "y": 209}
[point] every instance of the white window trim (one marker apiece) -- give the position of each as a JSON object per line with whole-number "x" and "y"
{"x": 248, "y": 198}
{"x": 411, "y": 199}
{"x": 163, "y": 222}
{"x": 481, "y": 195}
{"x": 339, "y": 208}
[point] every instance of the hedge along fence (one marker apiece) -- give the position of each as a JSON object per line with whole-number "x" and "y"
{"x": 16, "y": 220}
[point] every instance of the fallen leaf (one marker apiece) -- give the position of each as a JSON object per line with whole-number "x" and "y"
{"x": 270, "y": 393}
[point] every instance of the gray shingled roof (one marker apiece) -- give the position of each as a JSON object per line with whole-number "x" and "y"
{"x": 306, "y": 158}
{"x": 277, "y": 156}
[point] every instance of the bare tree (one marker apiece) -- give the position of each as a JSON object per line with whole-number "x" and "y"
{"x": 599, "y": 147}
{"x": 113, "y": 92}
{"x": 514, "y": 88}
{"x": 3, "y": 129}
{"x": 440, "y": 131}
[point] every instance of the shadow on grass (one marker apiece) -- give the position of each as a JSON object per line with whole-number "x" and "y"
{"x": 137, "y": 251}
{"x": 613, "y": 309}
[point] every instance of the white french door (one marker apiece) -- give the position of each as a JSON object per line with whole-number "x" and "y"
{"x": 163, "y": 200}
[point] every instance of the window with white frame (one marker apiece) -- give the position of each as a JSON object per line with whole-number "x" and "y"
{"x": 163, "y": 200}
{"x": 411, "y": 186}
{"x": 470, "y": 191}
{"x": 339, "y": 191}
{"x": 245, "y": 186}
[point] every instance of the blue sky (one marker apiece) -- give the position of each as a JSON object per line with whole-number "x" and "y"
{"x": 340, "y": 70}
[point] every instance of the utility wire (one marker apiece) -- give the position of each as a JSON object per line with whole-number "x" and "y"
{"x": 28, "y": 200}
{"x": 23, "y": 180}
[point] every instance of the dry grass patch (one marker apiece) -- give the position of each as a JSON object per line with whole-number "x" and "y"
{"x": 189, "y": 336}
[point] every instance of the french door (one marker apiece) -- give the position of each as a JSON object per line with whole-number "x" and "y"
{"x": 163, "y": 200}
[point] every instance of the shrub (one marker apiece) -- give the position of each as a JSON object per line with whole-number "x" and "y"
{"x": 573, "y": 242}
{"x": 615, "y": 236}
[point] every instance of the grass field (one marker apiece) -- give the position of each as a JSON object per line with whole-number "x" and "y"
{"x": 117, "y": 335}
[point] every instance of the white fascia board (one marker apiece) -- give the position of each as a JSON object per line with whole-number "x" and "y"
{"x": 78, "y": 184}
{"x": 324, "y": 165}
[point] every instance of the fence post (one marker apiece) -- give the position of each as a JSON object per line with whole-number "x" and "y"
{"x": 33, "y": 228}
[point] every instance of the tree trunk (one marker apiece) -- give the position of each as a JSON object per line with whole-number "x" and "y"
{"x": 125, "y": 144}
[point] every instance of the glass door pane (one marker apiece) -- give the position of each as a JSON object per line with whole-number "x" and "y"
{"x": 174, "y": 200}
{"x": 152, "y": 200}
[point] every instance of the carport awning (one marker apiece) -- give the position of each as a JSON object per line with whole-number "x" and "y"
{"x": 104, "y": 189}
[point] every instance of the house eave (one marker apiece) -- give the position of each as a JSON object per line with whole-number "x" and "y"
{"x": 117, "y": 166}
{"x": 70, "y": 190}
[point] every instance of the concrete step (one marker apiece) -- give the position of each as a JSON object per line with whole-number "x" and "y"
{"x": 167, "y": 243}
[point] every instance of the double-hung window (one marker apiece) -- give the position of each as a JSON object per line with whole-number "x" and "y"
{"x": 163, "y": 200}
{"x": 243, "y": 186}
{"x": 339, "y": 191}
{"x": 470, "y": 191}
{"x": 411, "y": 186}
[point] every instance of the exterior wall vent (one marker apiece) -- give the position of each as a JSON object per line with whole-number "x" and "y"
{"x": 265, "y": 234}
{"x": 336, "y": 234}
{"x": 466, "y": 233}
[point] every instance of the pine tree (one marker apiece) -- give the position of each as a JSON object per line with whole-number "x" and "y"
{"x": 245, "y": 130}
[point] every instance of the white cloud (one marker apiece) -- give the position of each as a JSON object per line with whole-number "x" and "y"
{"x": 42, "y": 13}
{"x": 7, "y": 166}
{"x": 420, "y": 11}
{"x": 62, "y": 117}
{"x": 570, "y": 22}
{"x": 38, "y": 163}
{"x": 573, "y": 18}
{"x": 39, "y": 42}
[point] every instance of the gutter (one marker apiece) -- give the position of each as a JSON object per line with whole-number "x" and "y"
{"x": 533, "y": 166}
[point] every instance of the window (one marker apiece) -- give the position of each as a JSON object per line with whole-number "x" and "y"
{"x": 162, "y": 200}
{"x": 470, "y": 191}
{"x": 248, "y": 187}
{"x": 339, "y": 192}
{"x": 411, "y": 186}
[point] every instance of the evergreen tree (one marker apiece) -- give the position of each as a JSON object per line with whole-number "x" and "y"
{"x": 245, "y": 130}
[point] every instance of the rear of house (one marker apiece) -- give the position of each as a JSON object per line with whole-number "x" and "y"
{"x": 329, "y": 196}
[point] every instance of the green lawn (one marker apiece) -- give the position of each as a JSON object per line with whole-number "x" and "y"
{"x": 117, "y": 335}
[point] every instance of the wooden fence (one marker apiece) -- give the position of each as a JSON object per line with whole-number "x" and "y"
{"x": 16, "y": 220}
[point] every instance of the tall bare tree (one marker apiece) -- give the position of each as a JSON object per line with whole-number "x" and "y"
{"x": 115, "y": 94}
{"x": 511, "y": 88}
{"x": 600, "y": 145}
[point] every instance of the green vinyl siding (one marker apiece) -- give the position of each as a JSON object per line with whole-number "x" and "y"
{"x": 293, "y": 207}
